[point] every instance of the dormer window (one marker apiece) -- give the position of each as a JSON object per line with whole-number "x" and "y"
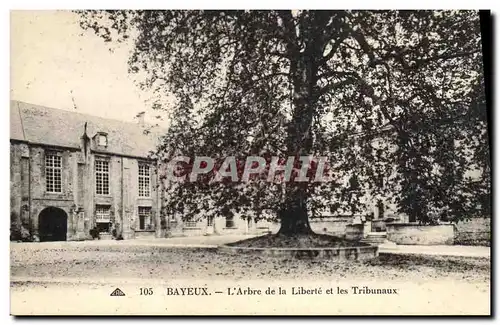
{"x": 102, "y": 139}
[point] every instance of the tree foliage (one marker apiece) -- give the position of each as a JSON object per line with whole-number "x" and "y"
{"x": 394, "y": 99}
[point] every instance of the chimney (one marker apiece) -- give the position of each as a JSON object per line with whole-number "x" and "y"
{"x": 140, "y": 118}
{"x": 85, "y": 142}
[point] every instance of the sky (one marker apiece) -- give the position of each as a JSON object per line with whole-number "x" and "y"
{"x": 55, "y": 63}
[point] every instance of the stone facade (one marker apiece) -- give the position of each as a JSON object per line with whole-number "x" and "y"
{"x": 54, "y": 181}
{"x": 77, "y": 198}
{"x": 28, "y": 197}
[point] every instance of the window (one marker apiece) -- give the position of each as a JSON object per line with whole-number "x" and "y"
{"x": 102, "y": 139}
{"x": 103, "y": 218}
{"x": 53, "y": 171}
{"x": 102, "y": 177}
{"x": 144, "y": 181}
{"x": 145, "y": 222}
{"x": 210, "y": 221}
{"x": 230, "y": 222}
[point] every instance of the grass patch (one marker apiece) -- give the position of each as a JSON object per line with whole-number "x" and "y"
{"x": 299, "y": 241}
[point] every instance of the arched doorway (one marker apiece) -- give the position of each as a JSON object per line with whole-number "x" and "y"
{"x": 52, "y": 224}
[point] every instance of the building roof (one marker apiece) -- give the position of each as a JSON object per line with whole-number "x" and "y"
{"x": 49, "y": 126}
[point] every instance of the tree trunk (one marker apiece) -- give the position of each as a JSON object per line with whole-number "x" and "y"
{"x": 303, "y": 70}
{"x": 294, "y": 217}
{"x": 305, "y": 52}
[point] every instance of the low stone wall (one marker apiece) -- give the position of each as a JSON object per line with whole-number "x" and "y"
{"x": 193, "y": 231}
{"x": 231, "y": 231}
{"x": 474, "y": 232}
{"x": 331, "y": 226}
{"x": 343, "y": 253}
{"x": 355, "y": 232}
{"x": 415, "y": 234}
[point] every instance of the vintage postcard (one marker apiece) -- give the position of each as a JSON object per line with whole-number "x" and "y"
{"x": 250, "y": 162}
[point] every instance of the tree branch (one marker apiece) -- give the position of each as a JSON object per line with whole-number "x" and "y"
{"x": 289, "y": 23}
{"x": 285, "y": 74}
{"x": 445, "y": 57}
{"x": 334, "y": 48}
{"x": 332, "y": 86}
{"x": 333, "y": 73}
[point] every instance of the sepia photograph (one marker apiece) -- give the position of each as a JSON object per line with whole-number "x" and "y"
{"x": 291, "y": 162}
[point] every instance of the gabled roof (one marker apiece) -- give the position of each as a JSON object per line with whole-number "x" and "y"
{"x": 50, "y": 126}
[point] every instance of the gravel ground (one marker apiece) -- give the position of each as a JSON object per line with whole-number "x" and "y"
{"x": 148, "y": 262}
{"x": 77, "y": 279}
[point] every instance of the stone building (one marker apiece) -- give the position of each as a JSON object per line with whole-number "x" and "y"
{"x": 73, "y": 175}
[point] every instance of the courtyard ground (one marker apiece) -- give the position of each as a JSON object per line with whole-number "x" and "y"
{"x": 78, "y": 271}
{"x": 214, "y": 241}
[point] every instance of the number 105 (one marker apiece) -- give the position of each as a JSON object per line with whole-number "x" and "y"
{"x": 146, "y": 291}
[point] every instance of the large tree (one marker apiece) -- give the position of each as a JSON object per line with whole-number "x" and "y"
{"x": 298, "y": 83}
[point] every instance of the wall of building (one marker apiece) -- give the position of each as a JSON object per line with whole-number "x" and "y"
{"x": 67, "y": 200}
{"x": 219, "y": 226}
{"x": 132, "y": 200}
{"x": 19, "y": 191}
{"x": 123, "y": 198}
{"x": 78, "y": 198}
{"x": 28, "y": 194}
